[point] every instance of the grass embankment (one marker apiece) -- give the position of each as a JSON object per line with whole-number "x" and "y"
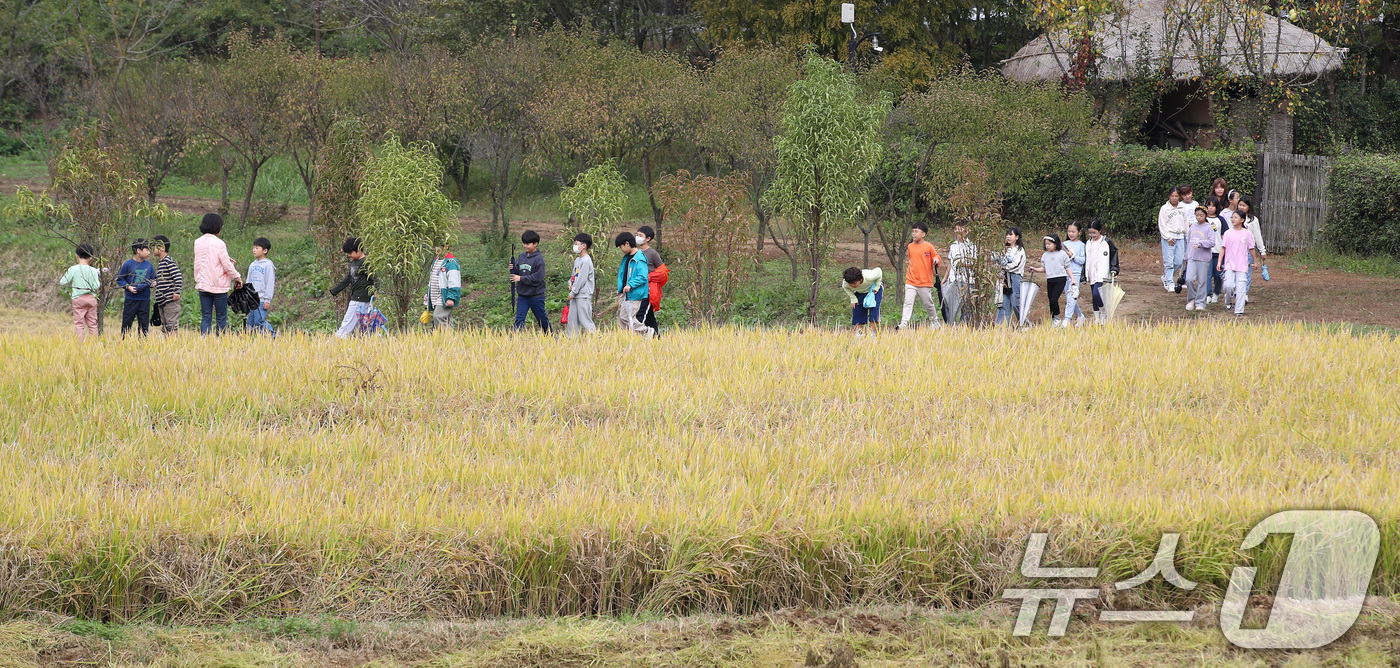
{"x": 726, "y": 471}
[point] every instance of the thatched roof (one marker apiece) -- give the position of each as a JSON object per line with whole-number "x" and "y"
{"x": 1184, "y": 34}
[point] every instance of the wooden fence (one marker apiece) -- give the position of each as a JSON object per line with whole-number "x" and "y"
{"x": 1291, "y": 199}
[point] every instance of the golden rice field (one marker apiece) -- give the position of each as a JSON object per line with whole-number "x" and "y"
{"x": 733, "y": 471}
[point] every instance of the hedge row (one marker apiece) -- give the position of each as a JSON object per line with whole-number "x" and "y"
{"x": 1124, "y": 187}
{"x": 1363, "y": 205}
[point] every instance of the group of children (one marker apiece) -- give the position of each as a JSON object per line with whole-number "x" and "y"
{"x": 151, "y": 292}
{"x": 1067, "y": 265}
{"x": 640, "y": 276}
{"x": 1211, "y": 248}
{"x": 1208, "y": 248}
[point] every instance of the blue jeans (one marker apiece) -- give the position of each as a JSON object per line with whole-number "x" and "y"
{"x": 1173, "y": 256}
{"x": 531, "y": 305}
{"x": 257, "y": 320}
{"x": 1010, "y": 309}
{"x": 209, "y": 304}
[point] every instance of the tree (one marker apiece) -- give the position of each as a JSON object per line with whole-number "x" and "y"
{"x": 340, "y": 167}
{"x": 594, "y": 204}
{"x": 426, "y": 97}
{"x": 986, "y": 137}
{"x": 744, "y": 93}
{"x": 710, "y": 239}
{"x": 829, "y": 146}
{"x": 403, "y": 215}
{"x": 151, "y": 113}
{"x": 98, "y": 198}
{"x": 505, "y": 77}
{"x": 245, "y": 103}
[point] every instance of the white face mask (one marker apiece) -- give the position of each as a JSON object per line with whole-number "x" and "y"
{"x": 578, "y": 249}
{"x": 641, "y": 240}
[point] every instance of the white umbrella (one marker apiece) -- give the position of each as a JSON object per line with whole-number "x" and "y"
{"x": 1111, "y": 294}
{"x": 1029, "y": 290}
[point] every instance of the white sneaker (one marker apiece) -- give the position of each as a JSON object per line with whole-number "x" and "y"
{"x": 1169, "y": 287}
{"x": 1190, "y": 306}
{"x": 1212, "y": 299}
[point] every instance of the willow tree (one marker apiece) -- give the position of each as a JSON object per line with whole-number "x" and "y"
{"x": 830, "y": 144}
{"x": 98, "y": 198}
{"x": 403, "y": 215}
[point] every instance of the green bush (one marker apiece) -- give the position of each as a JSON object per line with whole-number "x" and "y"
{"x": 1363, "y": 205}
{"x": 1123, "y": 187}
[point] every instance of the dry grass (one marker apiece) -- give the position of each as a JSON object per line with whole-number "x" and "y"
{"x": 728, "y": 471}
{"x": 892, "y": 636}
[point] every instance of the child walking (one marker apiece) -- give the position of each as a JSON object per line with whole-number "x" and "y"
{"x": 1234, "y": 261}
{"x": 865, "y": 287}
{"x": 527, "y": 272}
{"x": 1074, "y": 246}
{"x": 1216, "y": 216}
{"x": 1056, "y": 265}
{"x": 633, "y": 297}
{"x": 1013, "y": 270}
{"x": 922, "y": 265}
{"x": 136, "y": 277}
{"x": 1251, "y": 223}
{"x": 1172, "y": 221}
{"x": 358, "y": 281}
{"x": 262, "y": 275}
{"x": 957, "y": 282}
{"x": 1200, "y": 241}
{"x": 444, "y": 287}
{"x": 84, "y": 281}
{"x": 1099, "y": 263}
{"x": 581, "y": 286}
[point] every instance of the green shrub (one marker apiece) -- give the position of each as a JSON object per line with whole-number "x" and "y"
{"x": 1363, "y": 205}
{"x": 1124, "y": 187}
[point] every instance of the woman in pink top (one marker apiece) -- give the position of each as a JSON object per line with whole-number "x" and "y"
{"x": 1234, "y": 261}
{"x": 214, "y": 273}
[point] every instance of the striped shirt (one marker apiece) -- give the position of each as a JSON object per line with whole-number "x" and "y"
{"x": 169, "y": 280}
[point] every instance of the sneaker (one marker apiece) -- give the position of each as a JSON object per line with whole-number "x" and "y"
{"x": 1169, "y": 286}
{"x": 1212, "y": 299}
{"x": 1190, "y": 306}
{"x": 1079, "y": 322}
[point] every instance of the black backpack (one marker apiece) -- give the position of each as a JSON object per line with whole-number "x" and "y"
{"x": 244, "y": 299}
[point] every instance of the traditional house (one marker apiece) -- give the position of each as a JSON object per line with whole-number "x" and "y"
{"x": 1186, "y": 40}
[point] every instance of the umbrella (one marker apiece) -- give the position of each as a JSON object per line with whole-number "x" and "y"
{"x": 952, "y": 301}
{"x": 1111, "y": 294}
{"x": 1029, "y": 289}
{"x": 938, "y": 288}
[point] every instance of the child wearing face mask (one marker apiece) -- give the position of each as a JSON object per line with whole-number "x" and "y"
{"x": 581, "y": 286}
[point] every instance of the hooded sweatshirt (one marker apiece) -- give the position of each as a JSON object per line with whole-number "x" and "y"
{"x": 530, "y": 267}
{"x": 632, "y": 277}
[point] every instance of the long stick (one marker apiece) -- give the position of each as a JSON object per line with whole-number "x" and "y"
{"x": 512, "y": 283}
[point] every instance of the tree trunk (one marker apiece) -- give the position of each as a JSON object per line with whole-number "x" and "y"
{"x": 253, "y": 167}
{"x": 656, "y": 213}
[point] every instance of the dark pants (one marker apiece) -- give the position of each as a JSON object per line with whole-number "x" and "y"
{"x": 650, "y": 319}
{"x": 211, "y": 304}
{"x": 1217, "y": 277}
{"x": 1098, "y": 299}
{"x": 1055, "y": 288}
{"x": 138, "y": 311}
{"x": 532, "y": 305}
